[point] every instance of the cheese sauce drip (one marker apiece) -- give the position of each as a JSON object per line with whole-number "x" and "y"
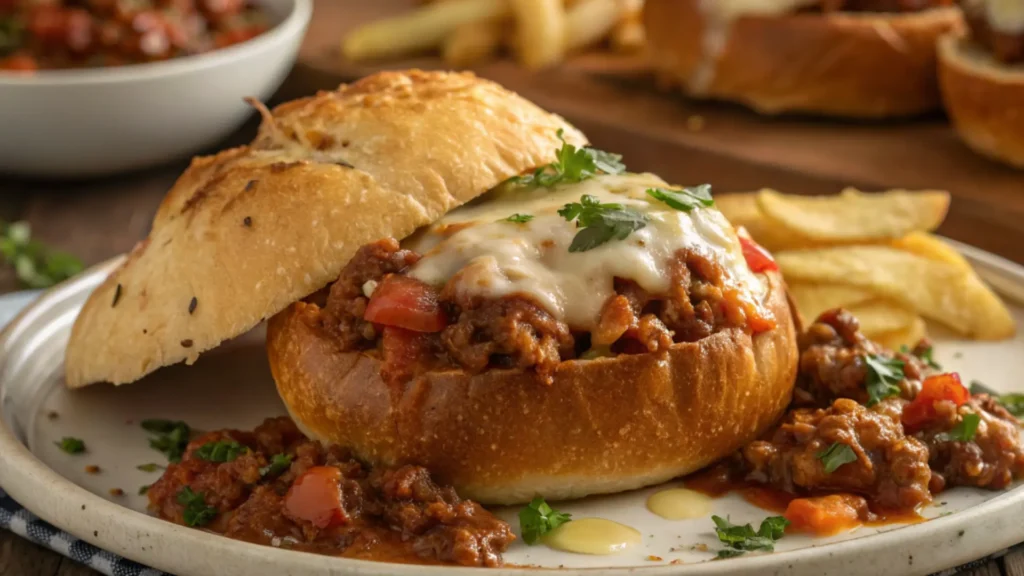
{"x": 593, "y": 536}
{"x": 679, "y": 504}
{"x": 492, "y": 257}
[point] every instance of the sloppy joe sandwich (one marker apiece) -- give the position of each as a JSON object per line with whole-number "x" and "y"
{"x": 849, "y": 58}
{"x": 982, "y": 77}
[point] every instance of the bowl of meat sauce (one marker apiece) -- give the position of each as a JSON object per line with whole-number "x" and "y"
{"x": 96, "y": 87}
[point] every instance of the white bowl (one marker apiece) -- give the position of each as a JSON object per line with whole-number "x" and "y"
{"x": 98, "y": 121}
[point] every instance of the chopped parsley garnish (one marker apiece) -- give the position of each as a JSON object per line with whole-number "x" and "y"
{"x": 196, "y": 512}
{"x": 150, "y": 467}
{"x": 71, "y": 445}
{"x": 835, "y": 456}
{"x": 964, "y": 430}
{"x": 741, "y": 539}
{"x": 884, "y": 376}
{"x": 278, "y": 464}
{"x": 1014, "y": 403}
{"x": 686, "y": 199}
{"x": 600, "y": 223}
{"x": 36, "y": 265}
{"x": 220, "y": 451}
{"x": 573, "y": 165}
{"x": 171, "y": 437}
{"x": 519, "y": 218}
{"x": 537, "y": 519}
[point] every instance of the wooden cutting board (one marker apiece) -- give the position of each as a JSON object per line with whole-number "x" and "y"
{"x": 615, "y": 102}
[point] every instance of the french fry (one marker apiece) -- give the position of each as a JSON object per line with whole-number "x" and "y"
{"x": 931, "y": 247}
{"x": 629, "y": 34}
{"x": 472, "y": 43}
{"x": 423, "y": 29}
{"x": 813, "y": 299}
{"x": 540, "y": 37}
{"x": 590, "y": 21}
{"x": 741, "y": 209}
{"x": 908, "y": 337}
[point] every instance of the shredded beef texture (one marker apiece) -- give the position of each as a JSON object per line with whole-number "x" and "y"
{"x": 510, "y": 332}
{"x": 698, "y": 304}
{"x": 992, "y": 459}
{"x": 396, "y": 514}
{"x": 346, "y": 304}
{"x": 891, "y": 469}
{"x": 832, "y": 352}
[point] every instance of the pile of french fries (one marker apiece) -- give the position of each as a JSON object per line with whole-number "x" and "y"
{"x": 874, "y": 255}
{"x": 538, "y": 32}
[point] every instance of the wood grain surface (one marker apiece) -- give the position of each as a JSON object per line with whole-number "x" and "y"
{"x": 615, "y": 102}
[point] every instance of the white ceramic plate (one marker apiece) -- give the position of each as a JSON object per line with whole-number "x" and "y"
{"x": 231, "y": 387}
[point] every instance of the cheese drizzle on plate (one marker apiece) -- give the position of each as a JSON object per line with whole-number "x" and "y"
{"x": 679, "y": 504}
{"x": 494, "y": 257}
{"x": 593, "y": 536}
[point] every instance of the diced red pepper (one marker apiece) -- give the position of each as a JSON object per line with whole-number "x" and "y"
{"x": 933, "y": 389}
{"x": 825, "y": 515}
{"x": 759, "y": 259}
{"x": 316, "y": 497}
{"x": 405, "y": 302}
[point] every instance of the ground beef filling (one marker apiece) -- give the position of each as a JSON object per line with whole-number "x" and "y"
{"x": 396, "y": 514}
{"x": 515, "y": 332}
{"x": 893, "y": 469}
{"x": 1005, "y": 47}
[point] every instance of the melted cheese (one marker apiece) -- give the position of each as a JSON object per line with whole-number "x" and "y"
{"x": 593, "y": 536}
{"x": 718, "y": 17}
{"x": 485, "y": 255}
{"x": 679, "y": 504}
{"x": 1005, "y": 16}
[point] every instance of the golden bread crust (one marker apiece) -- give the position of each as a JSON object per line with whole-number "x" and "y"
{"x": 250, "y": 230}
{"x": 858, "y": 65}
{"x": 500, "y": 437}
{"x": 983, "y": 99}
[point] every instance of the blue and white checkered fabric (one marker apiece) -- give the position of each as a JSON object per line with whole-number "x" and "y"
{"x": 27, "y": 525}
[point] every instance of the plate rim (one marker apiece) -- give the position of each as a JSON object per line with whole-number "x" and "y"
{"x": 144, "y": 538}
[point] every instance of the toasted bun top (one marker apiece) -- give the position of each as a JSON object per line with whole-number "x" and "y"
{"x": 246, "y": 232}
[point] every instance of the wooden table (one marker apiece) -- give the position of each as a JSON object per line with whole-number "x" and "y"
{"x": 612, "y": 101}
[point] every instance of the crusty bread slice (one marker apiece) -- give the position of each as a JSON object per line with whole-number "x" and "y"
{"x": 984, "y": 99}
{"x": 857, "y": 65}
{"x": 246, "y": 232}
{"x": 500, "y": 437}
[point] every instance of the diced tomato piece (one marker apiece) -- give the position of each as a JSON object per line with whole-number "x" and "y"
{"x": 407, "y": 303}
{"x": 826, "y": 515}
{"x": 19, "y": 63}
{"x": 933, "y": 389}
{"x": 316, "y": 497}
{"x": 759, "y": 259}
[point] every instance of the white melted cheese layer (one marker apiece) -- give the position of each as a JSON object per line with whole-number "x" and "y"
{"x": 495, "y": 258}
{"x": 1006, "y": 16}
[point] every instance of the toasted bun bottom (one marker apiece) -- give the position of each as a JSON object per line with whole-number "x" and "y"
{"x": 603, "y": 426}
{"x": 860, "y": 65}
{"x": 985, "y": 99}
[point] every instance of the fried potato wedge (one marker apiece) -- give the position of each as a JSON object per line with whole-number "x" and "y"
{"x": 853, "y": 216}
{"x": 741, "y": 209}
{"x": 813, "y": 299}
{"x": 908, "y": 337}
{"x": 541, "y": 32}
{"x": 931, "y": 247}
{"x": 937, "y": 290}
{"x": 880, "y": 317}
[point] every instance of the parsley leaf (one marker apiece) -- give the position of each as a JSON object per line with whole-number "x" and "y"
{"x": 884, "y": 376}
{"x": 35, "y": 265}
{"x": 599, "y": 222}
{"x": 519, "y": 218}
{"x": 835, "y": 456}
{"x": 537, "y": 519}
{"x": 196, "y": 512}
{"x": 143, "y": 490}
{"x": 171, "y": 438}
{"x": 964, "y": 430}
{"x": 926, "y": 355}
{"x": 220, "y": 451}
{"x": 573, "y": 165}
{"x": 71, "y": 445}
{"x": 278, "y": 464}
{"x": 1014, "y": 403}
{"x": 686, "y": 199}
{"x": 151, "y": 467}
{"x": 740, "y": 539}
